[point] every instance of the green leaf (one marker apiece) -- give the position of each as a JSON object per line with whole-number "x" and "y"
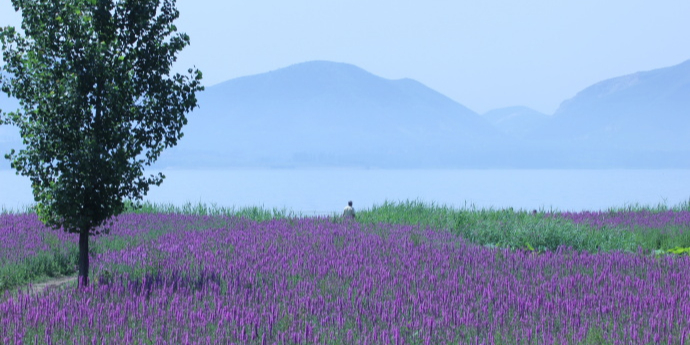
{"x": 529, "y": 246}
{"x": 679, "y": 250}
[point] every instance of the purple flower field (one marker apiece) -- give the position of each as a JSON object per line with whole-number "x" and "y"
{"x": 630, "y": 219}
{"x": 170, "y": 279}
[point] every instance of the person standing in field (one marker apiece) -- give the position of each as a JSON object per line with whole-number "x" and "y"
{"x": 349, "y": 212}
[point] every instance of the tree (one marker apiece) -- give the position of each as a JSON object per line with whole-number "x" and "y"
{"x": 97, "y": 105}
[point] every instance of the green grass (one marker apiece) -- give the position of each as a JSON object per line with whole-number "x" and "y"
{"x": 489, "y": 227}
{"x": 256, "y": 213}
{"x": 60, "y": 260}
{"x": 23, "y": 210}
{"x": 525, "y": 230}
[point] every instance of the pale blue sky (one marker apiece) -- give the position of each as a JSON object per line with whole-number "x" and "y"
{"x": 483, "y": 54}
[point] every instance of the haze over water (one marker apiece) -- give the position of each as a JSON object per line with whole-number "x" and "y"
{"x": 324, "y": 191}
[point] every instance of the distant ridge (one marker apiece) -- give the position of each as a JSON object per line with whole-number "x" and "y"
{"x": 647, "y": 111}
{"x": 517, "y": 121}
{"x": 323, "y": 113}
{"x": 328, "y": 114}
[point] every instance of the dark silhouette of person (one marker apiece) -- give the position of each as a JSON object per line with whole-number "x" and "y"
{"x": 349, "y": 212}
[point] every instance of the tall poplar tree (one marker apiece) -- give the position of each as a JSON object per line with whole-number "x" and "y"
{"x": 98, "y": 104}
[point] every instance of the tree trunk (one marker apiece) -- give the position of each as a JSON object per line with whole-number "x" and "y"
{"x": 84, "y": 258}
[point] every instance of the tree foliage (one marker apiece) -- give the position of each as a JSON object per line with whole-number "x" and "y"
{"x": 98, "y": 103}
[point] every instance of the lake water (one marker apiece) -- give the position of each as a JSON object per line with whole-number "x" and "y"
{"x": 323, "y": 191}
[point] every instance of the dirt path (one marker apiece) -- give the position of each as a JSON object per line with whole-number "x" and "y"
{"x": 49, "y": 284}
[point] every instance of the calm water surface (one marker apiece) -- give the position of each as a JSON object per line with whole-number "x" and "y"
{"x": 319, "y": 191}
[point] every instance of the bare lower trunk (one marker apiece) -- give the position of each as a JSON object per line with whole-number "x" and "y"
{"x": 84, "y": 258}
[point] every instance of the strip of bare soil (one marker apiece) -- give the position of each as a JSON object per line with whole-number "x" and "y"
{"x": 53, "y": 283}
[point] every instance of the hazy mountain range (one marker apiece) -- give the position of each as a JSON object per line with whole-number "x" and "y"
{"x": 646, "y": 111}
{"x": 517, "y": 121}
{"x": 333, "y": 114}
{"x": 337, "y": 115}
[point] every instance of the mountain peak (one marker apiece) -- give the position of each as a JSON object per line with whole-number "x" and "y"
{"x": 644, "y": 110}
{"x": 322, "y": 112}
{"x": 317, "y": 70}
{"x": 321, "y": 66}
{"x": 644, "y": 86}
